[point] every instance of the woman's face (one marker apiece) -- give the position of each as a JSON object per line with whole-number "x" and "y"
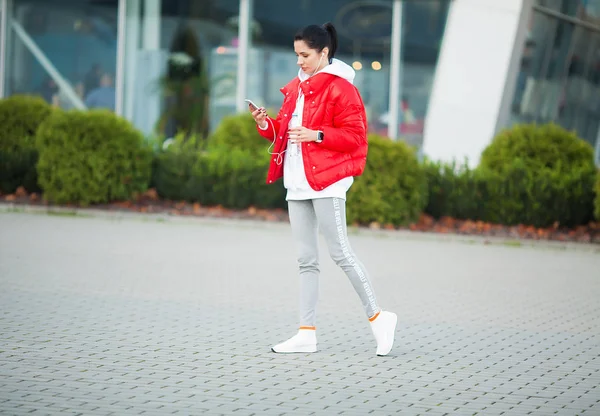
{"x": 309, "y": 60}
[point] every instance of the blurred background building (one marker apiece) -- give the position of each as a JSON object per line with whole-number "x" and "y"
{"x": 444, "y": 75}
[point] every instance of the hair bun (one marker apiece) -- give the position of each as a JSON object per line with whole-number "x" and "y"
{"x": 318, "y": 37}
{"x": 333, "y": 38}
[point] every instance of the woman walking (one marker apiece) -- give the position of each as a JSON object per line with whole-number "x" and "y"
{"x": 319, "y": 142}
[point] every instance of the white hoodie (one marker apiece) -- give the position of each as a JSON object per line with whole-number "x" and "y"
{"x": 294, "y": 177}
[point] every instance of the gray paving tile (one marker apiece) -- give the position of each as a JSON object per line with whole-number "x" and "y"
{"x": 131, "y": 317}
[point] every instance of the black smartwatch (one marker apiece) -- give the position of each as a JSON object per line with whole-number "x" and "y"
{"x": 320, "y": 136}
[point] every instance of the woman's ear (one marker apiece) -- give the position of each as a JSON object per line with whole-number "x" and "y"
{"x": 325, "y": 52}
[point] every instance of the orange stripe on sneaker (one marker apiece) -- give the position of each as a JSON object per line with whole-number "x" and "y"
{"x": 312, "y": 328}
{"x": 374, "y": 317}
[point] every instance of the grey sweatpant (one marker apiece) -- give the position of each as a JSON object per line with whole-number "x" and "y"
{"x": 328, "y": 215}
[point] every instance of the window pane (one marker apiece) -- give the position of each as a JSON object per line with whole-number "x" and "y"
{"x": 364, "y": 42}
{"x": 64, "y": 52}
{"x": 591, "y": 11}
{"x": 181, "y": 64}
{"x": 587, "y": 10}
{"x": 559, "y": 79}
{"x": 364, "y": 30}
{"x": 579, "y": 108}
{"x": 423, "y": 30}
{"x": 2, "y": 48}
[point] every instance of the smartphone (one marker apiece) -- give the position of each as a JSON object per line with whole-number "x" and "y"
{"x": 253, "y": 107}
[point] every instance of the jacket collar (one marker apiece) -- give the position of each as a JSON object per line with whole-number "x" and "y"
{"x": 313, "y": 85}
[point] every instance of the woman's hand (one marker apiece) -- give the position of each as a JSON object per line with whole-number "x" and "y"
{"x": 260, "y": 116}
{"x": 302, "y": 134}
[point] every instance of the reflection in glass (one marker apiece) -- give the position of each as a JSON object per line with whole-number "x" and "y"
{"x": 586, "y": 10}
{"x": 364, "y": 30}
{"x": 2, "y": 45}
{"x": 64, "y": 52}
{"x": 181, "y": 64}
{"x": 559, "y": 79}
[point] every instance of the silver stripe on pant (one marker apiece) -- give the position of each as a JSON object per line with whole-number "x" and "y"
{"x": 329, "y": 216}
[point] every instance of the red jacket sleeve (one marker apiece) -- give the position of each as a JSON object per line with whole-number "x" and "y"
{"x": 349, "y": 130}
{"x": 268, "y": 132}
{"x": 273, "y": 126}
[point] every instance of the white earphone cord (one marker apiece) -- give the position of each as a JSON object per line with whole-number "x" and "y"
{"x": 279, "y": 159}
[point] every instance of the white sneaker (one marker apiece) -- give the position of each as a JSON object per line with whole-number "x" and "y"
{"x": 384, "y": 329}
{"x": 304, "y": 341}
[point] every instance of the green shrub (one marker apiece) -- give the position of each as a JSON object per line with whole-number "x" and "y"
{"x": 541, "y": 199}
{"x": 539, "y": 146}
{"x": 233, "y": 177}
{"x": 20, "y": 117}
{"x": 237, "y": 180}
{"x": 454, "y": 191}
{"x": 393, "y": 187}
{"x": 91, "y": 157}
{"x": 239, "y": 132}
{"x": 538, "y": 175}
{"x": 238, "y": 161}
{"x": 178, "y": 171}
{"x": 597, "y": 200}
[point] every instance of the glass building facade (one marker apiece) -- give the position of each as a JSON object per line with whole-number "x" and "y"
{"x": 559, "y": 77}
{"x": 182, "y": 64}
{"x": 63, "y": 51}
{"x": 186, "y": 64}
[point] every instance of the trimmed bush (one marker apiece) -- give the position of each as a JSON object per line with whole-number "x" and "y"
{"x": 393, "y": 187}
{"x": 237, "y": 180}
{"x": 178, "y": 172}
{"x": 538, "y": 175}
{"x": 220, "y": 174}
{"x": 539, "y": 146}
{"x": 238, "y": 160}
{"x": 239, "y": 132}
{"x": 91, "y": 157}
{"x": 542, "y": 199}
{"x": 20, "y": 117}
{"x": 454, "y": 191}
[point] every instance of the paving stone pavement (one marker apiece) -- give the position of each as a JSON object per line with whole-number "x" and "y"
{"x": 135, "y": 316}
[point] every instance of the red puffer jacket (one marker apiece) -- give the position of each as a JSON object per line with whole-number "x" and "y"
{"x": 334, "y": 106}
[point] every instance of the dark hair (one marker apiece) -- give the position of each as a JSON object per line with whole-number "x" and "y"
{"x": 319, "y": 37}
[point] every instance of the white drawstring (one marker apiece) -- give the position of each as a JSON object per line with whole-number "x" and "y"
{"x": 279, "y": 159}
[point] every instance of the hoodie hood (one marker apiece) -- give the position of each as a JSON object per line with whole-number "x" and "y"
{"x": 337, "y": 68}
